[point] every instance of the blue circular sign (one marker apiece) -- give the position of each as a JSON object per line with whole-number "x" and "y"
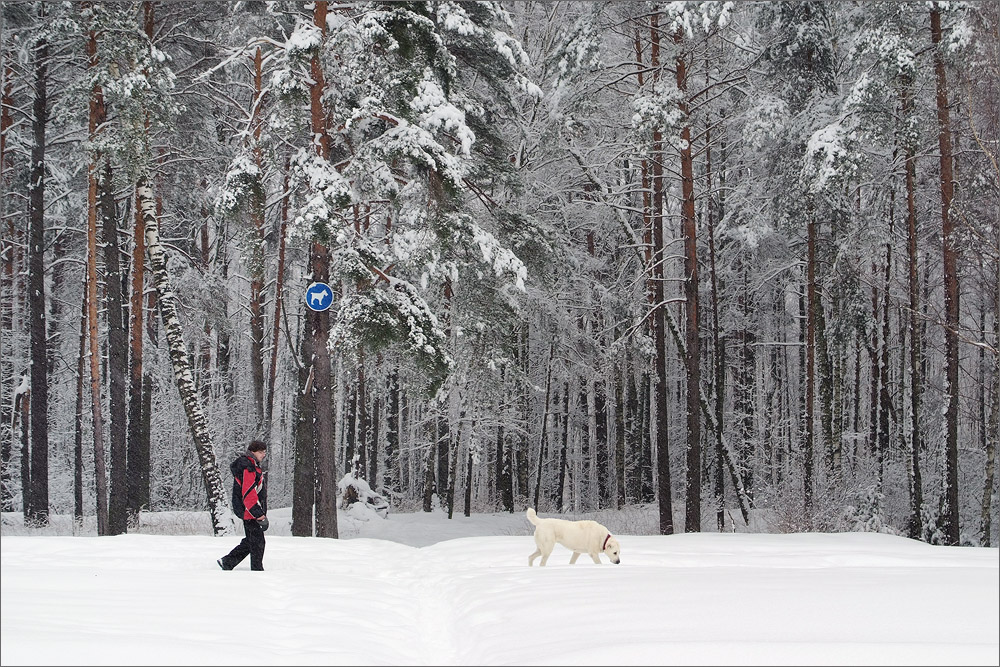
{"x": 319, "y": 297}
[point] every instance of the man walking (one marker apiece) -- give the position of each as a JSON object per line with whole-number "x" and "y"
{"x": 249, "y": 504}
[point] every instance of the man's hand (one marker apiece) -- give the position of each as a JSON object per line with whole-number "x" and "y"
{"x": 264, "y": 523}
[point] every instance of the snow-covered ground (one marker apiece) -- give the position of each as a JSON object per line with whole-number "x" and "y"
{"x": 419, "y": 589}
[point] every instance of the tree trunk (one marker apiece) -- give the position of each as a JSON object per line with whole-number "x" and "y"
{"x": 117, "y": 358}
{"x": 373, "y": 439}
{"x": 951, "y": 305}
{"x": 22, "y": 411}
{"x": 363, "y": 427}
{"x": 873, "y": 392}
{"x": 256, "y": 261}
{"x": 824, "y": 368}
{"x": 203, "y": 369}
{"x": 326, "y": 455}
{"x": 633, "y": 439}
{"x": 53, "y": 337}
{"x": 543, "y": 438}
{"x": 601, "y": 445}
{"x": 222, "y": 517}
{"x": 619, "y": 399}
{"x": 745, "y": 382}
{"x": 278, "y": 305}
{"x": 78, "y": 419}
{"x": 810, "y": 370}
{"x": 519, "y": 452}
{"x": 646, "y": 491}
{"x": 137, "y": 458}
{"x": 584, "y": 461}
{"x": 7, "y": 297}
{"x": 718, "y": 344}
{"x": 915, "y": 522}
{"x": 741, "y": 493}
{"x": 37, "y": 510}
{"x": 991, "y": 428}
{"x": 223, "y": 350}
{"x": 692, "y": 361}
{"x": 349, "y": 423}
{"x": 390, "y": 470}
{"x": 430, "y": 484}
{"x": 453, "y": 467}
{"x": 468, "y": 483}
{"x": 884, "y": 399}
{"x": 635, "y": 416}
{"x": 504, "y": 463}
{"x": 665, "y": 502}
{"x": 304, "y": 473}
{"x": 564, "y": 448}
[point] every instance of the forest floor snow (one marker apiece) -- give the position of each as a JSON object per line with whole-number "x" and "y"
{"x": 420, "y": 589}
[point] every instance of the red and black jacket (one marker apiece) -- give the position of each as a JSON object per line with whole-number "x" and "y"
{"x": 249, "y": 489}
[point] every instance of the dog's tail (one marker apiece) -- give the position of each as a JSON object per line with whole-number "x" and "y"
{"x": 532, "y": 517}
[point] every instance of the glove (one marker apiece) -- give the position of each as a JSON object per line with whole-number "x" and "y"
{"x": 264, "y": 523}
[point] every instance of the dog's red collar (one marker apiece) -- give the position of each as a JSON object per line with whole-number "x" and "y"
{"x": 605, "y": 545}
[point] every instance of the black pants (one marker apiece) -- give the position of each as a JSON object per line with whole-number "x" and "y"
{"x": 252, "y": 544}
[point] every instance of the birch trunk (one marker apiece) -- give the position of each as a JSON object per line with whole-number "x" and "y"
{"x": 222, "y": 516}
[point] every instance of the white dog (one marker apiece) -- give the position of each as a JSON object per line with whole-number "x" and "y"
{"x": 581, "y": 537}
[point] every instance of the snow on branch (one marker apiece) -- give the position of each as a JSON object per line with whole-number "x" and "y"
{"x": 392, "y": 312}
{"x": 329, "y": 193}
{"x": 243, "y": 181}
{"x": 659, "y": 111}
{"x": 500, "y": 259}
{"x": 436, "y": 113}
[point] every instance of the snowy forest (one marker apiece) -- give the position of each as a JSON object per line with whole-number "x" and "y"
{"x": 723, "y": 259}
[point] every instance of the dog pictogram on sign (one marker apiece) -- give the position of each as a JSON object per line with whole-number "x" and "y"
{"x": 319, "y": 296}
